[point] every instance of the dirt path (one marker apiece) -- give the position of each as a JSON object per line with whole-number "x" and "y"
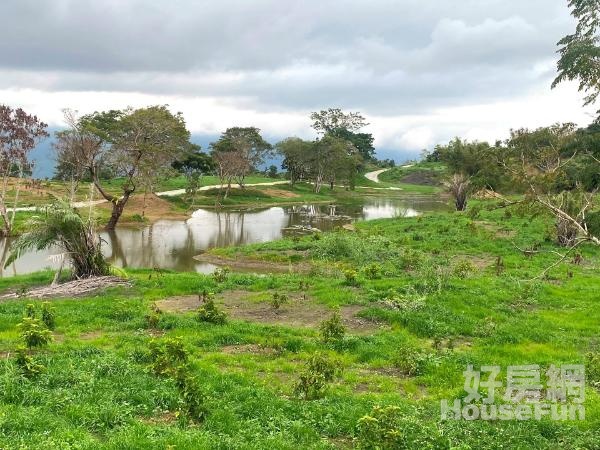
{"x": 172, "y": 193}
{"x": 374, "y": 176}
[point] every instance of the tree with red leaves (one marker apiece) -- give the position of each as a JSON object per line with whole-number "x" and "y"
{"x": 19, "y": 134}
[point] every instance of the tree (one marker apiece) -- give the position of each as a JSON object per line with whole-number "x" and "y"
{"x": 363, "y": 142}
{"x": 458, "y": 185}
{"x": 333, "y": 119}
{"x": 193, "y": 167}
{"x": 296, "y": 154}
{"x": 238, "y": 152}
{"x": 332, "y": 158}
{"x": 471, "y": 165}
{"x": 580, "y": 51}
{"x": 61, "y": 226}
{"x": 134, "y": 144}
{"x": 538, "y": 159}
{"x": 272, "y": 171}
{"x": 19, "y": 134}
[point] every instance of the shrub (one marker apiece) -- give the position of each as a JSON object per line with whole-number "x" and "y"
{"x": 49, "y": 315}
{"x": 351, "y": 277}
{"x": 191, "y": 395}
{"x": 386, "y": 428}
{"x": 333, "y": 329}
{"x": 153, "y": 317}
{"x": 463, "y": 269}
{"x": 593, "y": 369}
{"x": 29, "y": 310}
{"x": 28, "y": 367}
{"x": 314, "y": 378}
{"x": 221, "y": 274}
{"x": 34, "y": 332}
{"x": 277, "y": 300}
{"x": 408, "y": 301}
{"x": 412, "y": 361}
{"x": 373, "y": 271}
{"x": 209, "y": 312}
{"x": 168, "y": 356}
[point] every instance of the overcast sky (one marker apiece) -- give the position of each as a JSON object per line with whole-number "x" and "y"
{"x": 422, "y": 71}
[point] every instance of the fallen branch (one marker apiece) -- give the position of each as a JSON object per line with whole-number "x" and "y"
{"x": 73, "y": 288}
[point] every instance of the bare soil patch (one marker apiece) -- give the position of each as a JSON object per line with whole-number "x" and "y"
{"x": 422, "y": 178}
{"x": 254, "y": 349}
{"x": 254, "y": 265}
{"x": 280, "y": 193}
{"x": 481, "y": 262}
{"x": 156, "y": 208}
{"x": 297, "y": 313}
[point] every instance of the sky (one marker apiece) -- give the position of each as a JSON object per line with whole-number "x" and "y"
{"x": 421, "y": 71}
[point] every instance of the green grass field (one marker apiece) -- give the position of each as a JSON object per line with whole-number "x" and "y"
{"x": 421, "y": 299}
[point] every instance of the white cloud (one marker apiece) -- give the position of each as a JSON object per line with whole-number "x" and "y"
{"x": 423, "y": 71}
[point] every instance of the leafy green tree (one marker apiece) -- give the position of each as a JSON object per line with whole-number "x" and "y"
{"x": 333, "y": 119}
{"x": 363, "y": 142}
{"x": 237, "y": 153}
{"x": 296, "y": 154}
{"x": 580, "y": 51}
{"x": 195, "y": 165}
{"x": 137, "y": 145}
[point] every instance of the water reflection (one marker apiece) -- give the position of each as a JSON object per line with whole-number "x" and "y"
{"x": 172, "y": 244}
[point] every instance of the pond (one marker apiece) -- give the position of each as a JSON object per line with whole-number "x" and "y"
{"x": 172, "y": 244}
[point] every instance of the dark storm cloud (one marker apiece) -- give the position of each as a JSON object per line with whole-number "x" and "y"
{"x": 382, "y": 56}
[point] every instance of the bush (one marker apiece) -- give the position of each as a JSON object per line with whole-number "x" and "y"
{"x": 277, "y": 300}
{"x": 221, "y": 274}
{"x": 168, "y": 356}
{"x": 28, "y": 367}
{"x": 34, "y": 332}
{"x": 373, "y": 271}
{"x": 209, "y": 312}
{"x": 463, "y": 269}
{"x": 406, "y": 302}
{"x": 412, "y": 361}
{"x": 191, "y": 395}
{"x": 351, "y": 277}
{"x": 313, "y": 380}
{"x": 49, "y": 315}
{"x": 29, "y": 310}
{"x": 593, "y": 369}
{"x": 386, "y": 428}
{"x": 333, "y": 329}
{"x": 153, "y": 317}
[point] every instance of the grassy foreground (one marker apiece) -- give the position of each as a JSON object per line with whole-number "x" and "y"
{"x": 421, "y": 298}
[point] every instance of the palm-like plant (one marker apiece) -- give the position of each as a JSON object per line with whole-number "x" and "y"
{"x": 61, "y": 226}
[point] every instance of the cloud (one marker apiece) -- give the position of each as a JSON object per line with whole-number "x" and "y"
{"x": 422, "y": 70}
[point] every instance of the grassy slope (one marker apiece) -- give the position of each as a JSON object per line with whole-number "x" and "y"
{"x": 97, "y": 392}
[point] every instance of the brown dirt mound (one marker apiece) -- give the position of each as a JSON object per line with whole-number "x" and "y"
{"x": 240, "y": 305}
{"x": 280, "y": 193}
{"x": 422, "y": 178}
{"x": 156, "y": 208}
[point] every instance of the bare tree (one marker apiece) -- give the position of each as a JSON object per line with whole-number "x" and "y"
{"x": 458, "y": 186}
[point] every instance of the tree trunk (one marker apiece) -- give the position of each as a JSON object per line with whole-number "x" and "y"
{"x": 461, "y": 202}
{"x": 117, "y": 210}
{"x": 6, "y": 220}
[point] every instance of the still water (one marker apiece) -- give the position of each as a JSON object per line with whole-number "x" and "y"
{"x": 172, "y": 244}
